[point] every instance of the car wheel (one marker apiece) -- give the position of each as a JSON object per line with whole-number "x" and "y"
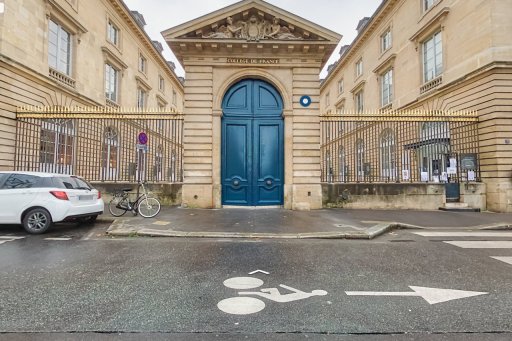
{"x": 37, "y": 221}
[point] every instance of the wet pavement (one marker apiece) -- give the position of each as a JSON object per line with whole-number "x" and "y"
{"x": 280, "y": 223}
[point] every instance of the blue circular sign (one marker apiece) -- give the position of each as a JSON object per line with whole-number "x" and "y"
{"x": 143, "y": 138}
{"x": 305, "y": 101}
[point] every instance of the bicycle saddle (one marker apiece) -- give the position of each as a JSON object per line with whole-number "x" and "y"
{"x": 126, "y": 189}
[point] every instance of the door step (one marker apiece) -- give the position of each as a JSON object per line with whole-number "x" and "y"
{"x": 458, "y": 207}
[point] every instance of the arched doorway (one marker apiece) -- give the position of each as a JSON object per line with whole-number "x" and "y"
{"x": 252, "y": 145}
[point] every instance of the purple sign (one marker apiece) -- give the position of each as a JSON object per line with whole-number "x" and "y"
{"x": 143, "y": 138}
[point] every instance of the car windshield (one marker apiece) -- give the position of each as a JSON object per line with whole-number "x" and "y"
{"x": 72, "y": 182}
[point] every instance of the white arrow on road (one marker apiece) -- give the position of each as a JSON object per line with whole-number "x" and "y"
{"x": 431, "y": 295}
{"x": 256, "y": 271}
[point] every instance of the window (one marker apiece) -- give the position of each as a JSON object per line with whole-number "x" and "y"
{"x": 59, "y": 48}
{"x": 113, "y": 33}
{"x": 21, "y": 181}
{"x": 432, "y": 57}
{"x": 386, "y": 88}
{"x": 385, "y": 41}
{"x": 111, "y": 83}
{"x": 388, "y": 154}
{"x": 341, "y": 165}
{"x": 110, "y": 154}
{"x": 359, "y": 67}
{"x": 427, "y": 4}
{"x": 159, "y": 162}
{"x": 56, "y": 146}
{"x": 341, "y": 87}
{"x": 143, "y": 64}
{"x": 327, "y": 99}
{"x": 141, "y": 98}
{"x": 360, "y": 158}
{"x": 161, "y": 83}
{"x": 359, "y": 101}
{"x": 174, "y": 98}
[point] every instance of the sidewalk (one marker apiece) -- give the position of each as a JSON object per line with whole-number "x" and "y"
{"x": 285, "y": 224}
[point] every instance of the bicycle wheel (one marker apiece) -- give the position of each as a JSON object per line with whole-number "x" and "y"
{"x": 118, "y": 206}
{"x": 149, "y": 207}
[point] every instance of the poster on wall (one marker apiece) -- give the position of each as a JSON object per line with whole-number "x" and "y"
{"x": 405, "y": 174}
{"x": 452, "y": 168}
{"x": 444, "y": 177}
{"x": 424, "y": 176}
{"x": 471, "y": 176}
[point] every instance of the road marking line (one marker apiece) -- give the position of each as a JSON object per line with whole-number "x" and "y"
{"x": 483, "y": 244}
{"x": 11, "y": 237}
{"x": 507, "y": 260}
{"x": 4, "y": 241}
{"x": 465, "y": 234}
{"x": 58, "y": 239}
{"x": 89, "y": 236}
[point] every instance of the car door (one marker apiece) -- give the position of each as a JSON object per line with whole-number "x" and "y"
{"x": 16, "y": 194}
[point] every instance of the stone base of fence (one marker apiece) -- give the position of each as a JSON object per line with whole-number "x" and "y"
{"x": 168, "y": 194}
{"x": 384, "y": 196}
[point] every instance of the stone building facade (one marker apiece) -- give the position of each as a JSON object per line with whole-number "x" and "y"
{"x": 435, "y": 55}
{"x": 248, "y": 138}
{"x": 65, "y": 54}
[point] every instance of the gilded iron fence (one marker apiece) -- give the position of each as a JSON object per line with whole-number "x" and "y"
{"x": 101, "y": 144}
{"x": 400, "y": 146}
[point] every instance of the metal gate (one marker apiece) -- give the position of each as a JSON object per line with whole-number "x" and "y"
{"x": 100, "y": 143}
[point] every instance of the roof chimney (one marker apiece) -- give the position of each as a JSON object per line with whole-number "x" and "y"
{"x": 362, "y": 24}
{"x": 139, "y": 18}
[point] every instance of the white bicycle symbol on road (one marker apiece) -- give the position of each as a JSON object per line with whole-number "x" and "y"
{"x": 244, "y": 304}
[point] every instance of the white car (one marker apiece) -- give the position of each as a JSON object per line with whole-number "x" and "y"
{"x": 37, "y": 200}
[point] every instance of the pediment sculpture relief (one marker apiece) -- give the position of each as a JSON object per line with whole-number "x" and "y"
{"x": 253, "y": 30}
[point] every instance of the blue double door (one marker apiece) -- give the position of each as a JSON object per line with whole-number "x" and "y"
{"x": 252, "y": 145}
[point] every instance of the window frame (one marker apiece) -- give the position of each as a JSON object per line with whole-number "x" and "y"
{"x": 426, "y": 5}
{"x": 143, "y": 64}
{"x": 108, "y": 82}
{"x": 383, "y": 87}
{"x": 436, "y": 54}
{"x": 117, "y": 40}
{"x": 383, "y": 40}
{"x": 359, "y": 101}
{"x": 58, "y": 48}
{"x": 341, "y": 86}
{"x": 142, "y": 97}
{"x": 359, "y": 68}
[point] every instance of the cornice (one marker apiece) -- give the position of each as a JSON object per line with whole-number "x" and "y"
{"x": 385, "y": 64}
{"x": 384, "y": 8}
{"x": 433, "y": 23}
{"x": 125, "y": 13}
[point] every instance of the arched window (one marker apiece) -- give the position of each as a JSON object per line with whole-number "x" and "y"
{"x": 342, "y": 165}
{"x": 434, "y": 149}
{"x": 173, "y": 171}
{"x": 388, "y": 155}
{"x": 159, "y": 163}
{"x": 328, "y": 167}
{"x": 57, "y": 146}
{"x": 110, "y": 154}
{"x": 360, "y": 150}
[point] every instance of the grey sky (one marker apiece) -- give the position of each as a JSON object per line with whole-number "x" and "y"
{"x": 340, "y": 16}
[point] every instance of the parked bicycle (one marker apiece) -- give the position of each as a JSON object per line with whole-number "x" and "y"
{"x": 146, "y": 206}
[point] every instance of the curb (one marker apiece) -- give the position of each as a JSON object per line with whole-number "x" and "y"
{"x": 120, "y": 229}
{"x": 370, "y": 233}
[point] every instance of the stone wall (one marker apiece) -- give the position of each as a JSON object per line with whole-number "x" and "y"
{"x": 168, "y": 194}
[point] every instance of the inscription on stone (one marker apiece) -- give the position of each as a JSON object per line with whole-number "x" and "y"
{"x": 267, "y": 61}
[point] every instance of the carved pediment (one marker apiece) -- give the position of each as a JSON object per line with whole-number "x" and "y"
{"x": 252, "y": 25}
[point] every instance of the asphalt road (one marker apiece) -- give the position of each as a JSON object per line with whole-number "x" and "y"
{"x": 87, "y": 286}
